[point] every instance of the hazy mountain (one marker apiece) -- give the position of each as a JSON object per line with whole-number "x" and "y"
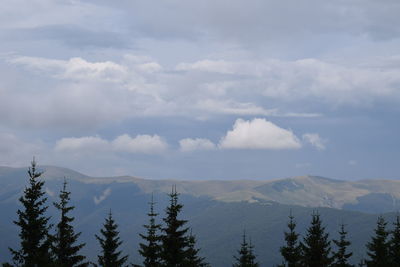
{"x": 310, "y": 191}
{"x": 218, "y": 211}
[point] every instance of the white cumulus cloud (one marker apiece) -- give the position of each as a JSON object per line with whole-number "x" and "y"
{"x": 258, "y": 134}
{"x": 148, "y": 144}
{"x": 189, "y": 144}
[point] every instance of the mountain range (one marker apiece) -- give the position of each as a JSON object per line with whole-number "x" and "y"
{"x": 218, "y": 211}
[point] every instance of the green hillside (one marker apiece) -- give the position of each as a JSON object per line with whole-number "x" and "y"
{"x": 218, "y": 211}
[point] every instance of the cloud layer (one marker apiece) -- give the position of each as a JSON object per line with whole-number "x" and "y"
{"x": 146, "y": 144}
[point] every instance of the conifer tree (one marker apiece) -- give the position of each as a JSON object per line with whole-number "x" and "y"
{"x": 341, "y": 256}
{"x": 192, "y": 254}
{"x": 34, "y": 224}
{"x": 291, "y": 252}
{"x": 246, "y": 255}
{"x": 151, "y": 249}
{"x": 110, "y": 242}
{"x": 378, "y": 247}
{"x": 316, "y": 245}
{"x": 394, "y": 244}
{"x": 174, "y": 240}
{"x": 65, "y": 249}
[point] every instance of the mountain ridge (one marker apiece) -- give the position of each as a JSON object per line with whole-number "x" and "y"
{"x": 306, "y": 191}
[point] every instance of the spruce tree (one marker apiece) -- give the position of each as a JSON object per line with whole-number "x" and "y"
{"x": 192, "y": 254}
{"x": 291, "y": 252}
{"x": 316, "y": 245}
{"x": 246, "y": 256}
{"x": 378, "y": 247}
{"x": 341, "y": 256}
{"x": 65, "y": 249}
{"x": 34, "y": 224}
{"x": 174, "y": 240}
{"x": 151, "y": 249}
{"x": 110, "y": 242}
{"x": 394, "y": 244}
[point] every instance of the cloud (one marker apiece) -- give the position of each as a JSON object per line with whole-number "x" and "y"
{"x": 87, "y": 143}
{"x": 258, "y": 134}
{"x": 102, "y": 197}
{"x": 188, "y": 144}
{"x": 315, "y": 140}
{"x": 146, "y": 144}
{"x": 17, "y": 152}
{"x": 75, "y": 68}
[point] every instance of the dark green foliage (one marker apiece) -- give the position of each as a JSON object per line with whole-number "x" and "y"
{"x": 291, "y": 252}
{"x": 192, "y": 257}
{"x": 394, "y": 244}
{"x": 65, "y": 249}
{"x": 110, "y": 242}
{"x": 174, "y": 240}
{"x": 378, "y": 247}
{"x": 151, "y": 249}
{"x": 246, "y": 255}
{"x": 34, "y": 225}
{"x": 316, "y": 245}
{"x": 341, "y": 256}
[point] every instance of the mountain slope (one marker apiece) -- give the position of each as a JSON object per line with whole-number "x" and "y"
{"x": 218, "y": 211}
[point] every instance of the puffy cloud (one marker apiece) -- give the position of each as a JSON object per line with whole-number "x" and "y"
{"x": 315, "y": 140}
{"x": 189, "y": 144}
{"x": 149, "y": 144}
{"x": 146, "y": 144}
{"x": 87, "y": 143}
{"x": 258, "y": 134}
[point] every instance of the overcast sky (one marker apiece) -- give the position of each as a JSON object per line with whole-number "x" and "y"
{"x": 211, "y": 89}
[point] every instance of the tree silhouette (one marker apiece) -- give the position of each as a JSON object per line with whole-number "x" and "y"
{"x": 110, "y": 242}
{"x": 192, "y": 254}
{"x": 151, "y": 249}
{"x": 378, "y": 247}
{"x": 34, "y": 225}
{"x": 341, "y": 256}
{"x": 291, "y": 252}
{"x": 394, "y": 243}
{"x": 65, "y": 248}
{"x": 316, "y": 245}
{"x": 174, "y": 240}
{"x": 246, "y": 256}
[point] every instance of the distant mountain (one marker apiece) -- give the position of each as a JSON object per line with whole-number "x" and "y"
{"x": 373, "y": 196}
{"x": 218, "y": 211}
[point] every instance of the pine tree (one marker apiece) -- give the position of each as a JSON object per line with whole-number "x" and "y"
{"x": 110, "y": 242}
{"x": 34, "y": 225}
{"x": 151, "y": 249}
{"x": 316, "y": 245}
{"x": 64, "y": 248}
{"x": 394, "y": 244}
{"x": 341, "y": 256}
{"x": 378, "y": 247}
{"x": 174, "y": 240}
{"x": 246, "y": 255}
{"x": 192, "y": 254}
{"x": 291, "y": 252}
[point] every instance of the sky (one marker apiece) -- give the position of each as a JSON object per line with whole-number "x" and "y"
{"x": 212, "y": 89}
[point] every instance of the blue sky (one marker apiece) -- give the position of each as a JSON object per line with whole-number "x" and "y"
{"x": 202, "y": 89}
